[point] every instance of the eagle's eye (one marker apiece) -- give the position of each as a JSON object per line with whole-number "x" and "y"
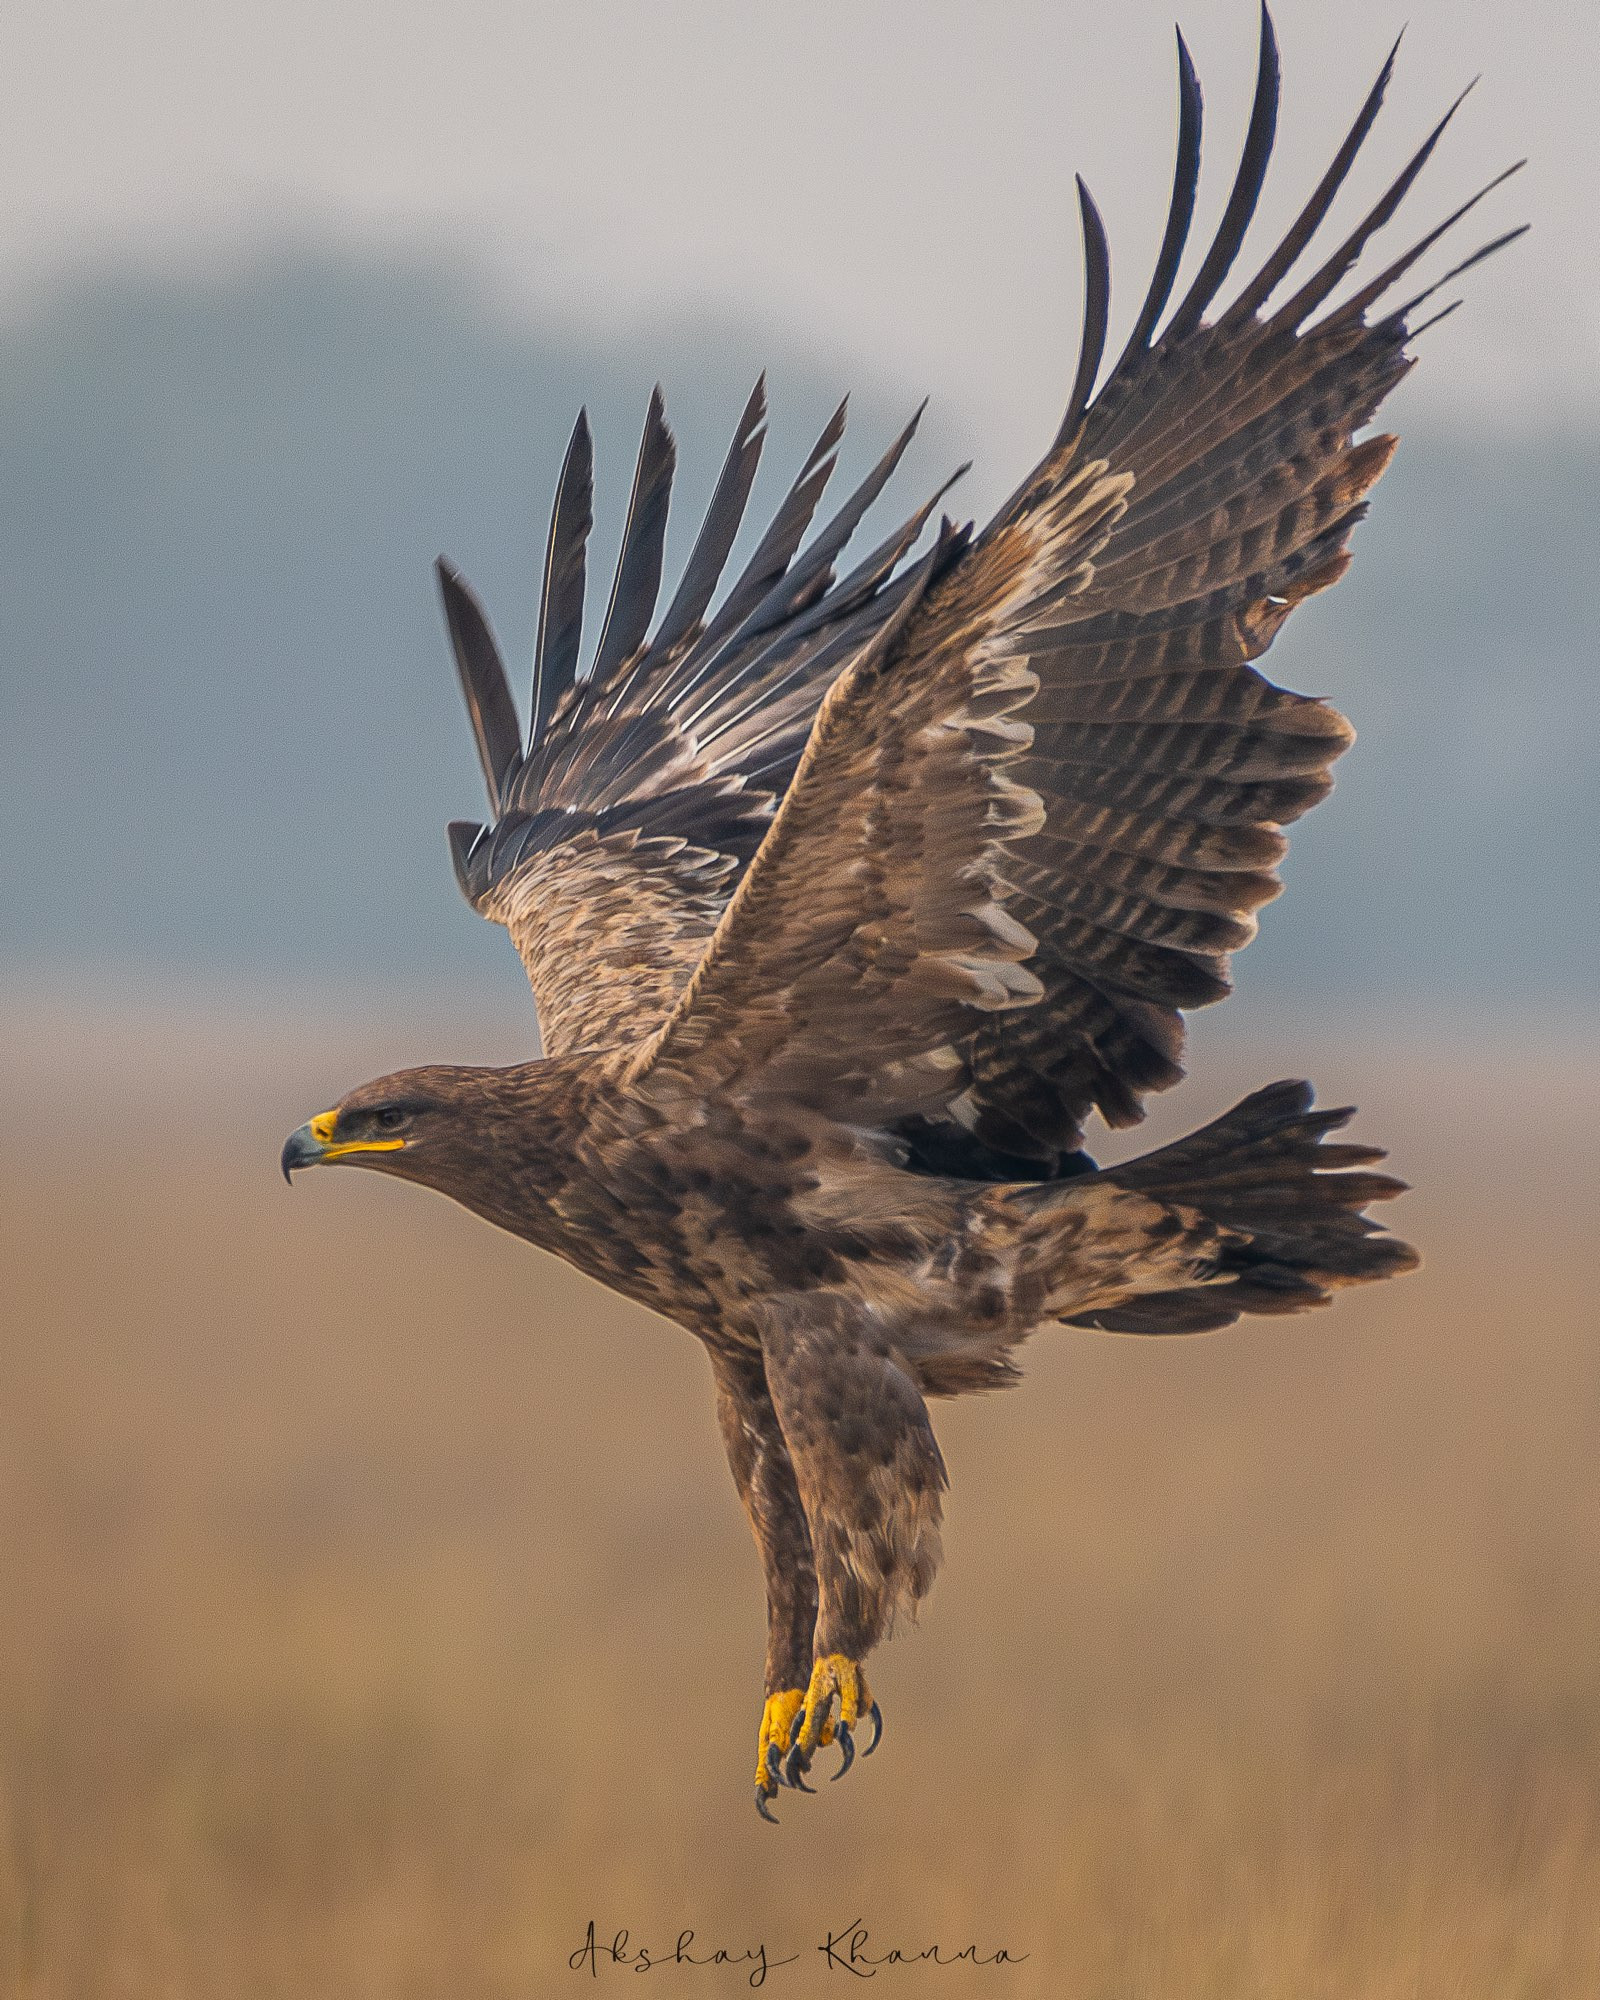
{"x": 391, "y": 1116}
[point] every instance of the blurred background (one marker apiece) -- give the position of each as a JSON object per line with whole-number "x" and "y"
{"x": 382, "y": 1609}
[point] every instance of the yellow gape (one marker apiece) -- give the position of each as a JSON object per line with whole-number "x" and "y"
{"x": 321, "y": 1129}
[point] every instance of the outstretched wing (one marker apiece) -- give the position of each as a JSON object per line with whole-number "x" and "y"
{"x": 1038, "y": 815}
{"x": 624, "y": 819}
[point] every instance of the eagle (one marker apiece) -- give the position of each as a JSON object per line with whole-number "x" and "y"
{"x": 848, "y": 900}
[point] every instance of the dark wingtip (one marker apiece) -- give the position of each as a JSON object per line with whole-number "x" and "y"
{"x": 718, "y": 530}
{"x": 1433, "y": 319}
{"x": 1252, "y": 172}
{"x": 1356, "y": 305}
{"x": 1190, "y": 94}
{"x": 1386, "y": 74}
{"x": 637, "y": 581}
{"x": 1316, "y": 289}
{"x": 1180, "y": 208}
{"x": 482, "y": 676}
{"x": 561, "y": 597}
{"x": 1402, "y": 313}
{"x": 464, "y": 835}
{"x": 1284, "y": 258}
{"x": 1460, "y": 98}
{"x": 1268, "y": 62}
{"x": 1096, "y": 310}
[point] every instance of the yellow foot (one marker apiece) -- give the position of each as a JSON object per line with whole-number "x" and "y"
{"x": 779, "y": 1726}
{"x": 835, "y": 1678}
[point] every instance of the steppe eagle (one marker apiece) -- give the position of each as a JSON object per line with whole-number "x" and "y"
{"x": 847, "y": 900}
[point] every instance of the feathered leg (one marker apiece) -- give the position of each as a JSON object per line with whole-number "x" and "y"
{"x": 765, "y": 1478}
{"x": 870, "y": 1477}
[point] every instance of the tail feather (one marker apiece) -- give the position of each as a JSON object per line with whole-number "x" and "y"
{"x": 1289, "y": 1205}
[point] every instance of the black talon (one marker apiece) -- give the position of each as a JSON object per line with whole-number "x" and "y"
{"x": 761, "y": 1806}
{"x": 792, "y": 1769}
{"x": 847, "y": 1744}
{"x": 774, "y": 1772}
{"x": 877, "y": 1730}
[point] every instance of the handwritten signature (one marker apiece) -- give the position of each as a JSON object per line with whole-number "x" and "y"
{"x": 850, "y": 1949}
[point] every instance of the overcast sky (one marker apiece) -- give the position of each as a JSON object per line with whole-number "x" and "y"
{"x": 888, "y": 183}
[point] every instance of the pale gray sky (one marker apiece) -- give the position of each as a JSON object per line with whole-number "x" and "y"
{"x": 888, "y": 182}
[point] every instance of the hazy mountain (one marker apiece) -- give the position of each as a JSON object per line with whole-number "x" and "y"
{"x": 229, "y": 736}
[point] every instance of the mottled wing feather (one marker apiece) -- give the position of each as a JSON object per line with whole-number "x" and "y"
{"x": 622, "y": 825}
{"x": 1168, "y": 765}
{"x": 1098, "y": 679}
{"x": 609, "y": 927}
{"x": 872, "y": 928}
{"x": 874, "y": 956}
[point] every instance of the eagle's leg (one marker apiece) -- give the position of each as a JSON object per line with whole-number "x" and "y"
{"x": 765, "y": 1479}
{"x": 870, "y": 1477}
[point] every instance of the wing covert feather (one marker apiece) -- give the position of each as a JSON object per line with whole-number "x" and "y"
{"x": 951, "y": 845}
{"x": 645, "y": 787}
{"x": 1160, "y": 765}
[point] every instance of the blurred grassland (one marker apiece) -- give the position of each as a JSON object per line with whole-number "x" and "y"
{"x": 379, "y": 1609}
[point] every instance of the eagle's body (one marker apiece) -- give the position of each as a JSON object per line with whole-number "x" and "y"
{"x": 574, "y": 1157}
{"x": 847, "y": 903}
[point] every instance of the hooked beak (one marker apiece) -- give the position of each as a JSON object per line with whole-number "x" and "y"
{"x": 313, "y": 1144}
{"x": 302, "y": 1148}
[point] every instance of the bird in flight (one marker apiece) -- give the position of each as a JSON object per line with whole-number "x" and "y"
{"x": 848, "y": 900}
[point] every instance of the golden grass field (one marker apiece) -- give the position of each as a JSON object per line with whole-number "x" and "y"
{"x": 379, "y": 1612}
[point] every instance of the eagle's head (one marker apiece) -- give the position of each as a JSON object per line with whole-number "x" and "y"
{"x": 423, "y": 1125}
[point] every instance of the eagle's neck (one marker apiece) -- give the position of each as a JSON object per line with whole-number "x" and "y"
{"x": 531, "y": 1152}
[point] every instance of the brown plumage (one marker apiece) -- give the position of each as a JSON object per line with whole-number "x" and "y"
{"x": 845, "y": 904}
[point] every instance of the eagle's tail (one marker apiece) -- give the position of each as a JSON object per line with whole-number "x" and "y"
{"x": 1289, "y": 1205}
